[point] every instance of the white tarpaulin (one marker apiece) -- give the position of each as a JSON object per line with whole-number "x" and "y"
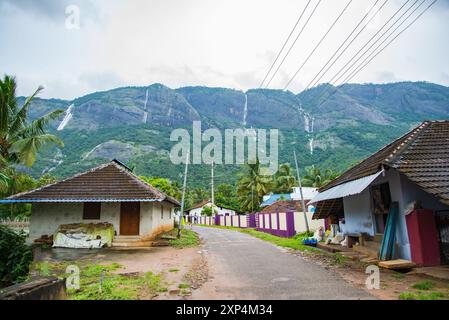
{"x": 76, "y": 241}
{"x": 346, "y": 189}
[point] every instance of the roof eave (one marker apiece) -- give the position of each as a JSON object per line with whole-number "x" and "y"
{"x": 7, "y": 201}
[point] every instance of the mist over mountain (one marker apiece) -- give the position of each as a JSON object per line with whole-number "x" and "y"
{"x": 331, "y": 127}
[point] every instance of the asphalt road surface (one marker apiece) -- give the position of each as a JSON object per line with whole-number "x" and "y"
{"x": 243, "y": 267}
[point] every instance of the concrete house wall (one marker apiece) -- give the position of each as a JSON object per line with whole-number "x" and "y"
{"x": 47, "y": 217}
{"x": 359, "y": 217}
{"x": 358, "y": 208}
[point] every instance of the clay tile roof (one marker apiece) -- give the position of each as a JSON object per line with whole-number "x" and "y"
{"x": 422, "y": 155}
{"x": 199, "y": 205}
{"x": 283, "y": 207}
{"x": 110, "y": 182}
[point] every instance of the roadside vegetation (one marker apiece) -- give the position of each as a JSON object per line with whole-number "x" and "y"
{"x": 21, "y": 139}
{"x": 15, "y": 257}
{"x": 188, "y": 239}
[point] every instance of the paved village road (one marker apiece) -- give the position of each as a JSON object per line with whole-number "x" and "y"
{"x": 244, "y": 267}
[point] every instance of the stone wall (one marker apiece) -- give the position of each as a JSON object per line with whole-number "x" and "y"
{"x": 36, "y": 289}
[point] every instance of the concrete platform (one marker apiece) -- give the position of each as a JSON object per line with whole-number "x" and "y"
{"x": 397, "y": 264}
{"x": 440, "y": 272}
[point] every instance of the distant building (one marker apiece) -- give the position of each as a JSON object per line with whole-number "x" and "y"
{"x": 196, "y": 210}
{"x": 274, "y": 214}
{"x": 308, "y": 193}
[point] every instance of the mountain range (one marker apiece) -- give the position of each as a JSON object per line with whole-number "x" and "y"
{"x": 330, "y": 127}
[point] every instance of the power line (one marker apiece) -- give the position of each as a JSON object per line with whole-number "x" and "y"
{"x": 364, "y": 65}
{"x": 347, "y": 38}
{"x": 360, "y": 69}
{"x": 293, "y": 44}
{"x": 313, "y": 82}
{"x": 317, "y": 46}
{"x": 373, "y": 37}
{"x": 285, "y": 43}
{"x": 363, "y": 47}
{"x": 382, "y": 35}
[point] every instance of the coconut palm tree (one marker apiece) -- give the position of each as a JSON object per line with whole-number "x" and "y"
{"x": 285, "y": 179}
{"x": 21, "y": 140}
{"x": 252, "y": 186}
{"x": 316, "y": 178}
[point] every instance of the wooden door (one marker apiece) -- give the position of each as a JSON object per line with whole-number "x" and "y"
{"x": 129, "y": 218}
{"x": 442, "y": 223}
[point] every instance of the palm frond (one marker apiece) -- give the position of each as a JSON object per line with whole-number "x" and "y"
{"x": 8, "y": 103}
{"x": 27, "y": 148}
{"x": 21, "y": 116}
{"x": 37, "y": 127}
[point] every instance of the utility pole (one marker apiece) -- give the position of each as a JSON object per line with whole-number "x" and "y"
{"x": 302, "y": 196}
{"x": 184, "y": 187}
{"x": 252, "y": 199}
{"x": 212, "y": 185}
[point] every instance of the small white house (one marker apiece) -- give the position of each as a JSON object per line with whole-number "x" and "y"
{"x": 110, "y": 194}
{"x": 196, "y": 211}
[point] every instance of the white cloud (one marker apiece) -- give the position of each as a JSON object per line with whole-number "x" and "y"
{"x": 226, "y": 43}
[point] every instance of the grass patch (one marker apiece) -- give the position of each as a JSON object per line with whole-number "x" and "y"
{"x": 338, "y": 259}
{"x": 189, "y": 239}
{"x": 184, "y": 286}
{"x": 433, "y": 295}
{"x": 424, "y": 285}
{"x": 173, "y": 270}
{"x": 408, "y": 296}
{"x": 98, "y": 282}
{"x": 398, "y": 275}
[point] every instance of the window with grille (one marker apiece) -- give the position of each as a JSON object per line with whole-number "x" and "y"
{"x": 92, "y": 211}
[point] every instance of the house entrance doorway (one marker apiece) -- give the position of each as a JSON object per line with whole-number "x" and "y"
{"x": 442, "y": 221}
{"x": 129, "y": 218}
{"x": 381, "y": 199}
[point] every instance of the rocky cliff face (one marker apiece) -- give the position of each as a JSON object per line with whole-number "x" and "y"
{"x": 324, "y": 122}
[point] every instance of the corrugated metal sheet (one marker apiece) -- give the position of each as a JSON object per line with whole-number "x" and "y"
{"x": 347, "y": 189}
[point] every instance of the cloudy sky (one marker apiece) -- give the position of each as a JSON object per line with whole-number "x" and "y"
{"x": 225, "y": 43}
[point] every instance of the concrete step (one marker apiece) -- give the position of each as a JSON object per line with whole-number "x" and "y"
{"x": 370, "y": 260}
{"x": 130, "y": 241}
{"x": 132, "y": 244}
{"x": 365, "y": 251}
{"x": 351, "y": 255}
{"x": 370, "y": 249}
{"x": 161, "y": 243}
{"x": 126, "y": 238}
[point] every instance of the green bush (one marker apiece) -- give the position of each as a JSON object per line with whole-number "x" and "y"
{"x": 15, "y": 257}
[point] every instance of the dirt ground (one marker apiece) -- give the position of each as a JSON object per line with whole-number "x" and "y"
{"x": 177, "y": 266}
{"x": 392, "y": 283}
